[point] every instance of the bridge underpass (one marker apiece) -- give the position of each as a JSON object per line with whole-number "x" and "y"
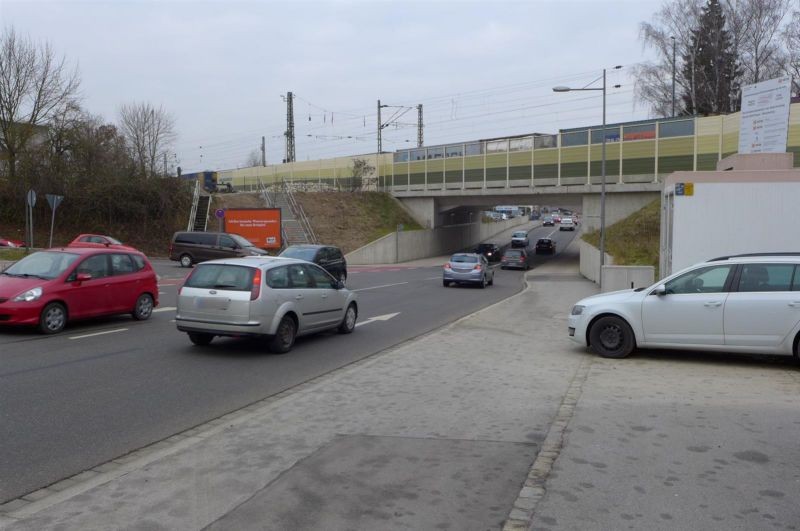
{"x": 435, "y": 208}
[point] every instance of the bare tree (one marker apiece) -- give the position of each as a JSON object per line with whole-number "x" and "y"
{"x": 253, "y": 158}
{"x": 362, "y": 174}
{"x": 654, "y": 79}
{"x": 755, "y": 26}
{"x": 35, "y": 87}
{"x": 791, "y": 61}
{"x": 149, "y": 132}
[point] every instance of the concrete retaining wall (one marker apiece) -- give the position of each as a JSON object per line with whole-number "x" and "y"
{"x": 412, "y": 245}
{"x": 626, "y": 277}
{"x": 590, "y": 261}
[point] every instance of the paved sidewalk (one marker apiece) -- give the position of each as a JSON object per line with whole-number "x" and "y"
{"x": 439, "y": 433}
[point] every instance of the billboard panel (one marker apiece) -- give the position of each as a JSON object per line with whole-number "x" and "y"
{"x": 261, "y": 226}
{"x": 765, "y": 116}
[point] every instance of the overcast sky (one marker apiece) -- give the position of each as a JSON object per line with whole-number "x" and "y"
{"x": 480, "y": 69}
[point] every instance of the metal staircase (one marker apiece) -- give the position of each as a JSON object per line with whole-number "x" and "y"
{"x": 295, "y": 227}
{"x": 201, "y": 205}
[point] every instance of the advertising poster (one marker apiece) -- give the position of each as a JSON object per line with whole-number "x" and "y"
{"x": 262, "y": 226}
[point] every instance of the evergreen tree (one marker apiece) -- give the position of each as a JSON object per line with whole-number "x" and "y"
{"x": 710, "y": 66}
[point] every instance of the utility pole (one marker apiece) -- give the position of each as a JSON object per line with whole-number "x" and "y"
{"x": 289, "y": 127}
{"x": 165, "y": 164}
{"x": 263, "y": 151}
{"x": 419, "y": 125}
{"x": 380, "y": 128}
{"x": 673, "y": 76}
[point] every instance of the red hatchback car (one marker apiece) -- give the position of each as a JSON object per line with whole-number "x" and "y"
{"x": 99, "y": 241}
{"x": 48, "y": 288}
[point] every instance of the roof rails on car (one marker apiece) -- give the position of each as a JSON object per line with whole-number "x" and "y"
{"x": 752, "y": 255}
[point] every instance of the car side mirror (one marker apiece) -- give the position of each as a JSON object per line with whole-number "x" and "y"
{"x": 339, "y": 284}
{"x": 660, "y": 290}
{"x": 83, "y": 277}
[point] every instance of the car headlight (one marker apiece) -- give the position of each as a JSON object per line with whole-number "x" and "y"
{"x": 28, "y": 296}
{"x": 577, "y": 309}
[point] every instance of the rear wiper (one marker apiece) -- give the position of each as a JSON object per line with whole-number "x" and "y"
{"x": 220, "y": 286}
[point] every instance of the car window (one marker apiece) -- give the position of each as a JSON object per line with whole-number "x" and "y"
{"x": 278, "y": 278}
{"x": 96, "y": 265}
{"x": 704, "y": 280}
{"x": 138, "y": 262}
{"x": 221, "y": 276}
{"x": 243, "y": 242}
{"x": 464, "y": 259}
{"x": 301, "y": 253}
{"x": 513, "y": 253}
{"x": 322, "y": 280}
{"x": 121, "y": 264}
{"x": 336, "y": 254}
{"x": 85, "y": 239}
{"x": 796, "y": 279}
{"x": 324, "y": 255}
{"x": 766, "y": 277}
{"x": 226, "y": 241}
{"x": 298, "y": 277}
{"x": 43, "y": 264}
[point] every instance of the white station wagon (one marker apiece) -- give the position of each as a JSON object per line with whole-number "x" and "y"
{"x": 280, "y": 298}
{"x": 744, "y": 303}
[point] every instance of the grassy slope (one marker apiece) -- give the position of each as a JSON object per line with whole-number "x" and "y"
{"x": 350, "y": 220}
{"x": 635, "y": 239}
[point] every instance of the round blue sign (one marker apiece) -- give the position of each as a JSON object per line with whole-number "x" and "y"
{"x": 220, "y": 213}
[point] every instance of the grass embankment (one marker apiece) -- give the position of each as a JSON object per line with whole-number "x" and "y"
{"x": 350, "y": 220}
{"x": 11, "y": 254}
{"x": 635, "y": 239}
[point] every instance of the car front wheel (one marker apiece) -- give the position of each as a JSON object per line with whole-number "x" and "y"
{"x": 283, "y": 340}
{"x": 612, "y": 337}
{"x": 349, "y": 321}
{"x": 53, "y": 318}
{"x": 186, "y": 260}
{"x": 144, "y": 307}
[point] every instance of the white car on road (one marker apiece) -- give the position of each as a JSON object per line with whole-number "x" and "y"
{"x": 567, "y": 224}
{"x": 745, "y": 303}
{"x": 520, "y": 239}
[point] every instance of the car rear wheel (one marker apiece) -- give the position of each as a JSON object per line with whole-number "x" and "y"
{"x": 491, "y": 280}
{"x": 612, "y": 337}
{"x": 283, "y": 340}
{"x": 483, "y": 282}
{"x": 200, "y": 338}
{"x": 53, "y": 318}
{"x": 186, "y": 260}
{"x": 144, "y": 307}
{"x": 349, "y": 321}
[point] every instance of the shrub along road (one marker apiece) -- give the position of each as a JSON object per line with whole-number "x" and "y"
{"x": 107, "y": 387}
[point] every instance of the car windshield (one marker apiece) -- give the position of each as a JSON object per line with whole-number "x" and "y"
{"x": 513, "y": 254}
{"x": 544, "y": 242}
{"x": 301, "y": 253}
{"x": 242, "y": 242}
{"x": 44, "y": 264}
{"x": 462, "y": 258}
{"x": 113, "y": 241}
{"x": 221, "y": 276}
{"x": 519, "y": 235}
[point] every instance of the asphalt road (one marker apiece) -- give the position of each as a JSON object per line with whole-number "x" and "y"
{"x": 106, "y": 387}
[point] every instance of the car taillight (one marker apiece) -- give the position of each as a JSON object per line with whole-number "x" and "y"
{"x": 477, "y": 267}
{"x": 255, "y": 291}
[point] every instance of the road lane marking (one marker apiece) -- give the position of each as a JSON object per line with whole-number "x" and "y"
{"x": 99, "y": 333}
{"x": 381, "y": 286}
{"x": 165, "y": 309}
{"x": 385, "y": 317}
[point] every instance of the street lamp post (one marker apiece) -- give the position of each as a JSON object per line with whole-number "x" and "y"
{"x": 602, "y": 168}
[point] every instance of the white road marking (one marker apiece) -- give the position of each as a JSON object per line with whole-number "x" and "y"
{"x": 385, "y": 317}
{"x": 99, "y": 333}
{"x": 382, "y": 286}
{"x": 165, "y": 309}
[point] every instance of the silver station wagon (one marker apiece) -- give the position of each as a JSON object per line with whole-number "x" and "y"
{"x": 280, "y": 298}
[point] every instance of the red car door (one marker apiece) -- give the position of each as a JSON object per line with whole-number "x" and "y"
{"x": 123, "y": 284}
{"x": 88, "y": 298}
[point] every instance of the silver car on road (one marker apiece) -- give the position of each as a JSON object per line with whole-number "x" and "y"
{"x": 280, "y": 298}
{"x": 468, "y": 268}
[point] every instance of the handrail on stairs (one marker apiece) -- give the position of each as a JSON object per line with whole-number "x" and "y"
{"x": 195, "y": 200}
{"x": 299, "y": 213}
{"x": 271, "y": 204}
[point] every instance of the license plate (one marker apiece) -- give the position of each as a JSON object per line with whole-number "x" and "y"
{"x": 211, "y": 303}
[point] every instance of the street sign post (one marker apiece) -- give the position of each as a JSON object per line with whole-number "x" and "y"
{"x": 53, "y": 200}
{"x": 220, "y": 215}
{"x": 30, "y": 202}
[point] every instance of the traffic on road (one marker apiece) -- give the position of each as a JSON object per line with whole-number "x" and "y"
{"x": 107, "y": 385}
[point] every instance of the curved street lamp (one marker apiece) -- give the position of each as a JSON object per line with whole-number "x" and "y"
{"x": 562, "y": 88}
